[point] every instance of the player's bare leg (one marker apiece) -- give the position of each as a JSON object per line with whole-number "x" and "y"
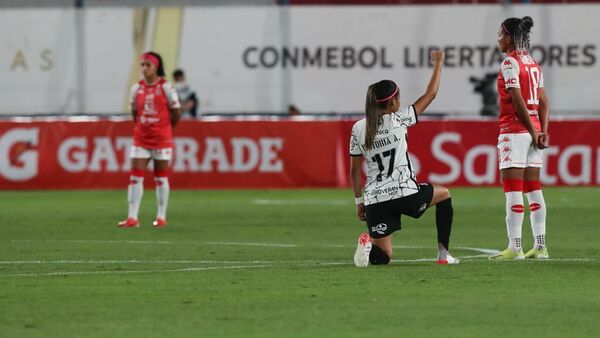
{"x": 135, "y": 191}
{"x": 512, "y": 179}
{"x": 444, "y": 214}
{"x": 537, "y": 212}
{"x": 161, "y": 170}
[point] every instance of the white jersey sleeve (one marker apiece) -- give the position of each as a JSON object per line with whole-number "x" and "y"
{"x": 406, "y": 116}
{"x": 541, "y": 84}
{"x": 133, "y": 94}
{"x": 171, "y": 94}
{"x": 510, "y": 73}
{"x": 355, "y": 137}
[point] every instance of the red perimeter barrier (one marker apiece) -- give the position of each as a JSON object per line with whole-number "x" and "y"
{"x": 273, "y": 154}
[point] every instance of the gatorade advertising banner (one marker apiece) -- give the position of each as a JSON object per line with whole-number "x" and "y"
{"x": 283, "y": 153}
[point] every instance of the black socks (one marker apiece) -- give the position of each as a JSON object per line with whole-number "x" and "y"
{"x": 377, "y": 256}
{"x": 443, "y": 221}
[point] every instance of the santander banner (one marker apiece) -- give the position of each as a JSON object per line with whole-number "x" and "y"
{"x": 231, "y": 154}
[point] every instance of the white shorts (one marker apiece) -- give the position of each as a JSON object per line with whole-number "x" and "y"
{"x": 518, "y": 151}
{"x": 163, "y": 154}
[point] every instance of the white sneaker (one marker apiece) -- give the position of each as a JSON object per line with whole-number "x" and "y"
{"x": 363, "y": 249}
{"x": 449, "y": 260}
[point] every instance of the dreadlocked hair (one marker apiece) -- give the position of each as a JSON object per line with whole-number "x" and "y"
{"x": 373, "y": 109}
{"x": 519, "y": 30}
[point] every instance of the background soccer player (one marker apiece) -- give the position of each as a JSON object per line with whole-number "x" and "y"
{"x": 391, "y": 189}
{"x": 156, "y": 110}
{"x": 523, "y": 135}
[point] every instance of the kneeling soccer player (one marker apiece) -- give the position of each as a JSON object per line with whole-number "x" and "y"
{"x": 391, "y": 189}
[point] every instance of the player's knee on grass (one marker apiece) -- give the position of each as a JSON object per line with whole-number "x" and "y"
{"x": 378, "y": 256}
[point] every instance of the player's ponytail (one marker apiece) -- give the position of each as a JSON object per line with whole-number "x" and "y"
{"x": 379, "y": 99}
{"x": 519, "y": 30}
{"x": 526, "y": 24}
{"x": 371, "y": 117}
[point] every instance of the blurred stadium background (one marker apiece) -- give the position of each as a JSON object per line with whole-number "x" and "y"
{"x": 250, "y": 251}
{"x": 73, "y": 63}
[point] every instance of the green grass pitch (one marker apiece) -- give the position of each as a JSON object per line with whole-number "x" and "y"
{"x": 279, "y": 264}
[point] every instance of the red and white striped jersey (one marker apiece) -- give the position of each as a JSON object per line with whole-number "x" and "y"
{"x": 519, "y": 70}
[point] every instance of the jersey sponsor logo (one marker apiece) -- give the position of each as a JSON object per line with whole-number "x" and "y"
{"x": 512, "y": 81}
{"x": 517, "y": 208}
{"x": 379, "y": 228}
{"x": 506, "y": 159}
{"x": 353, "y": 144}
{"x": 386, "y": 191}
{"x": 507, "y": 63}
{"x": 506, "y": 139}
{"x": 423, "y": 207}
{"x": 506, "y": 150}
{"x": 534, "y": 206}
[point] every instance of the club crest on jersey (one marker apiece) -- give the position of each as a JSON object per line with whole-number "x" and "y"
{"x": 379, "y": 228}
{"x": 157, "y": 91}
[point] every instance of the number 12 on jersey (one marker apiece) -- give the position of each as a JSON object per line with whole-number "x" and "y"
{"x": 534, "y": 84}
{"x": 377, "y": 158}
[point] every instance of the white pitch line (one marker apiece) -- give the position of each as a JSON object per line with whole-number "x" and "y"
{"x": 91, "y": 241}
{"x": 266, "y": 264}
{"x": 135, "y": 261}
{"x": 482, "y": 250}
{"x": 566, "y": 259}
{"x": 314, "y": 262}
{"x": 300, "y": 202}
{"x": 107, "y": 272}
{"x": 77, "y": 241}
{"x": 281, "y": 245}
{"x": 253, "y": 244}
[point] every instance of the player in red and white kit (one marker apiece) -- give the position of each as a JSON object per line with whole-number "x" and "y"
{"x": 156, "y": 110}
{"x": 523, "y": 135}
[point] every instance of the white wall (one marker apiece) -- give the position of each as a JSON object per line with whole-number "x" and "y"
{"x": 214, "y": 41}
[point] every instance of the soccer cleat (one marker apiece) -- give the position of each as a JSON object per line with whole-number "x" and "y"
{"x": 537, "y": 254}
{"x": 159, "y": 223}
{"x": 363, "y": 249}
{"x": 449, "y": 260}
{"x": 129, "y": 223}
{"x": 508, "y": 255}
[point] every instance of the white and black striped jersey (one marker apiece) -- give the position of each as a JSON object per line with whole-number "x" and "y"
{"x": 390, "y": 174}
